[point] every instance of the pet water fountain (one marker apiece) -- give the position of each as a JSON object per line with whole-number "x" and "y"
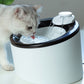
{"x": 54, "y": 56}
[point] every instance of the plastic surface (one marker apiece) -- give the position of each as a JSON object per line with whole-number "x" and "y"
{"x": 56, "y": 61}
{"x": 56, "y": 64}
{"x": 63, "y": 18}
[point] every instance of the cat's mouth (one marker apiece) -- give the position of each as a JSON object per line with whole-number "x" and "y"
{"x": 27, "y": 34}
{"x": 33, "y": 36}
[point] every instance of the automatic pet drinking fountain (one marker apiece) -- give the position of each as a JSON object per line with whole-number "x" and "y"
{"x": 54, "y": 61}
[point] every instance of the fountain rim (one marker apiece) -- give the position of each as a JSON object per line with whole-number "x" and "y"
{"x": 71, "y": 30}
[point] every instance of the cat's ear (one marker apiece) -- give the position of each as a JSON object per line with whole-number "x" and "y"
{"x": 19, "y": 12}
{"x": 38, "y": 8}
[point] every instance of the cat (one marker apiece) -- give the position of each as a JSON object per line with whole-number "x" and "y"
{"x": 16, "y": 19}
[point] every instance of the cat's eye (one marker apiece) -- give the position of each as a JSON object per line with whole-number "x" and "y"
{"x": 29, "y": 28}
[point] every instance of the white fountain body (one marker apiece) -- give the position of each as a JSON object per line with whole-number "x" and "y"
{"x": 57, "y": 61}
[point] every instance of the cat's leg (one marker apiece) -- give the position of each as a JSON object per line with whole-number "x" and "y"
{"x": 4, "y": 61}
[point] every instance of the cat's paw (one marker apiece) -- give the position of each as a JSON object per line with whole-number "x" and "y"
{"x": 8, "y": 67}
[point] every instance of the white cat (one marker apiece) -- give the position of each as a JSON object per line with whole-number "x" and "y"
{"x": 16, "y": 19}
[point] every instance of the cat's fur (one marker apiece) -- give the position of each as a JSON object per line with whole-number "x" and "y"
{"x": 13, "y": 20}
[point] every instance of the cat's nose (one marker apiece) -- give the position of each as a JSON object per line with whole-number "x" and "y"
{"x": 34, "y": 32}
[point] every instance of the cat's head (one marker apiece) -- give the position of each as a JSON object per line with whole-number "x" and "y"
{"x": 25, "y": 19}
